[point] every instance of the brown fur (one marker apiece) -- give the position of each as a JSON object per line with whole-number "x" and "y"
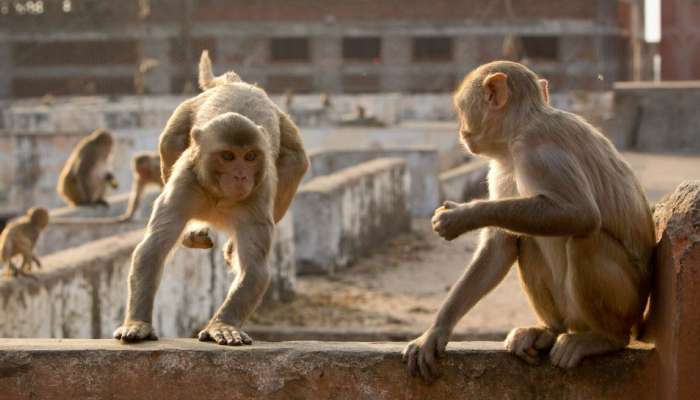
{"x": 564, "y": 201}
{"x": 19, "y": 238}
{"x": 146, "y": 169}
{"x": 84, "y": 178}
{"x": 209, "y": 178}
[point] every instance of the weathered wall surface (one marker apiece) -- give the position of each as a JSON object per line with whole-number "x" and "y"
{"x": 466, "y": 182}
{"x": 675, "y": 315}
{"x": 186, "y": 369}
{"x": 423, "y": 169}
{"x": 60, "y": 236}
{"x": 81, "y": 292}
{"x": 344, "y": 215}
{"x": 656, "y": 116}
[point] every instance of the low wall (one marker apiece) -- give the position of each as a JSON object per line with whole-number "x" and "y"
{"x": 423, "y": 167}
{"x": 187, "y": 369}
{"x": 60, "y": 236}
{"x": 466, "y": 182}
{"x": 657, "y": 116}
{"x": 344, "y": 215}
{"x": 81, "y": 292}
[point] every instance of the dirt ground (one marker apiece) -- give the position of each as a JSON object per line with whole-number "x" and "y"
{"x": 401, "y": 286}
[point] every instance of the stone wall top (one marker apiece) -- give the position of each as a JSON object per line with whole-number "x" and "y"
{"x": 186, "y": 369}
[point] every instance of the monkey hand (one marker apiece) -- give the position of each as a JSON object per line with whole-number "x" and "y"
{"x": 421, "y": 354}
{"x": 135, "y": 331}
{"x": 452, "y": 220}
{"x": 224, "y": 334}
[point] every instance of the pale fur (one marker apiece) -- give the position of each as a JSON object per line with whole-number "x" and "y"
{"x": 580, "y": 224}
{"x": 19, "y": 238}
{"x": 226, "y": 111}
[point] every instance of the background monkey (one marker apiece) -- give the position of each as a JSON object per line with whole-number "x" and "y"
{"x": 564, "y": 205}
{"x": 84, "y": 178}
{"x": 146, "y": 169}
{"x": 19, "y": 238}
{"x": 232, "y": 159}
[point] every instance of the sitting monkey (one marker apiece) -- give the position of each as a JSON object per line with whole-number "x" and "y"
{"x": 564, "y": 205}
{"x": 19, "y": 238}
{"x": 84, "y": 178}
{"x": 232, "y": 159}
{"x": 146, "y": 169}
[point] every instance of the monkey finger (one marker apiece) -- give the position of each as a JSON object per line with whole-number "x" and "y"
{"x": 204, "y": 336}
{"x": 431, "y": 362}
{"x": 424, "y": 368}
{"x": 117, "y": 333}
{"x": 412, "y": 365}
{"x": 229, "y": 336}
{"x": 219, "y": 337}
{"x": 525, "y": 356}
{"x": 245, "y": 338}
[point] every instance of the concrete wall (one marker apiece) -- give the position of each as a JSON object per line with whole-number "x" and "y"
{"x": 422, "y": 162}
{"x": 81, "y": 292}
{"x": 344, "y": 215}
{"x": 61, "y": 236}
{"x": 186, "y": 369}
{"x": 656, "y": 117}
{"x": 466, "y": 182}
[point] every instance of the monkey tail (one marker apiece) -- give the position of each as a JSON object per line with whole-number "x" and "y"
{"x": 207, "y": 79}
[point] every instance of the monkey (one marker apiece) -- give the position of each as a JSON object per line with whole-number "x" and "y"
{"x": 146, "y": 170}
{"x": 84, "y": 177}
{"x": 564, "y": 205}
{"x": 19, "y": 238}
{"x": 230, "y": 158}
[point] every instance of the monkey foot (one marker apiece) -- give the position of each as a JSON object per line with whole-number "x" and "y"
{"x": 135, "y": 331}
{"x": 571, "y": 348}
{"x": 224, "y": 334}
{"x": 198, "y": 239}
{"x": 526, "y": 343}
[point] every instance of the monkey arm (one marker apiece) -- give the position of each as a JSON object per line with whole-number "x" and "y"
{"x": 292, "y": 163}
{"x": 81, "y": 176}
{"x": 134, "y": 199}
{"x": 496, "y": 254}
{"x": 253, "y": 240}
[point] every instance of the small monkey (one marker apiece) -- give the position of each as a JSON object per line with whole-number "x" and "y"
{"x": 564, "y": 205}
{"x": 232, "y": 159}
{"x": 19, "y": 238}
{"x": 146, "y": 169}
{"x": 84, "y": 178}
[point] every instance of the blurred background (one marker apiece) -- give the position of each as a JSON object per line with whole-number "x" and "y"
{"x": 363, "y": 79}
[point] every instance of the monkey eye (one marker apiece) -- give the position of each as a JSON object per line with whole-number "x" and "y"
{"x": 228, "y": 156}
{"x": 250, "y": 156}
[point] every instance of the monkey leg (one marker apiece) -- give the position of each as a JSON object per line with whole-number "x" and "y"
{"x": 253, "y": 241}
{"x": 171, "y": 213}
{"x": 537, "y": 282}
{"x": 292, "y": 163}
{"x": 607, "y": 294}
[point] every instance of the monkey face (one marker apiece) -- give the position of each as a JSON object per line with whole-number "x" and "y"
{"x": 235, "y": 170}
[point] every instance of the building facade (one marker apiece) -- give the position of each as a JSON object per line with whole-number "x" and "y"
{"x": 63, "y": 47}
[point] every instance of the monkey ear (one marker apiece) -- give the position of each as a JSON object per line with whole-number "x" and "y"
{"x": 544, "y": 86}
{"x": 496, "y": 89}
{"x": 196, "y": 134}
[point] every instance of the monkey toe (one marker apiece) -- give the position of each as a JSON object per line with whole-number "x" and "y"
{"x": 525, "y": 343}
{"x": 225, "y": 335}
{"x": 134, "y": 332}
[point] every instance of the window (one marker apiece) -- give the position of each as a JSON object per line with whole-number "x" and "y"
{"x": 362, "y": 49}
{"x": 541, "y": 48}
{"x": 282, "y": 83}
{"x": 360, "y": 83}
{"x": 87, "y": 52}
{"x": 289, "y": 50}
{"x": 437, "y": 48}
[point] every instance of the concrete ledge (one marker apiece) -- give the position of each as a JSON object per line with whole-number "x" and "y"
{"x": 466, "y": 182}
{"x": 187, "y": 369}
{"x": 345, "y": 215}
{"x": 81, "y": 292}
{"x": 423, "y": 167}
{"x": 62, "y": 236}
